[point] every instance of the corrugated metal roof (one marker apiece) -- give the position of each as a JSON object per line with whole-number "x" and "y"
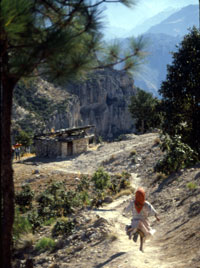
{"x": 60, "y": 132}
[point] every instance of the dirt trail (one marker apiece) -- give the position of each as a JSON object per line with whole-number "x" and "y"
{"x": 126, "y": 253}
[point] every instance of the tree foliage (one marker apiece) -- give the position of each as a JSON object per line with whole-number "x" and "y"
{"x": 55, "y": 38}
{"x": 24, "y": 138}
{"x": 178, "y": 155}
{"x": 181, "y": 92}
{"x": 52, "y": 38}
{"x": 144, "y": 108}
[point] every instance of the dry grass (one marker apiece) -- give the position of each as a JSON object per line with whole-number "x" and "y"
{"x": 157, "y": 141}
{"x": 26, "y": 241}
{"x": 128, "y": 191}
{"x": 160, "y": 176}
{"x": 111, "y": 237}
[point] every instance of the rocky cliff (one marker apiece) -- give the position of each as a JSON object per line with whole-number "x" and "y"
{"x": 104, "y": 100}
{"x": 101, "y": 100}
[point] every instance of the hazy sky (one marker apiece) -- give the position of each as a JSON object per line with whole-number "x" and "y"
{"x": 117, "y": 15}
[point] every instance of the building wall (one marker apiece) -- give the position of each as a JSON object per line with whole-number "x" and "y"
{"x": 47, "y": 148}
{"x": 80, "y": 146}
{"x": 52, "y": 148}
{"x": 63, "y": 149}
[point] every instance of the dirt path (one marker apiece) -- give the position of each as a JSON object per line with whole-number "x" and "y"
{"x": 125, "y": 252}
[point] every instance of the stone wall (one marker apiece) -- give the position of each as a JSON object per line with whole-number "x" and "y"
{"x": 53, "y": 149}
{"x": 47, "y": 148}
{"x": 80, "y": 146}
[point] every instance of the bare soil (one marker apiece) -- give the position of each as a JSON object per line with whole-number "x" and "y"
{"x": 102, "y": 241}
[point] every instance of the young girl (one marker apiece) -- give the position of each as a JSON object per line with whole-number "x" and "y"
{"x": 141, "y": 210}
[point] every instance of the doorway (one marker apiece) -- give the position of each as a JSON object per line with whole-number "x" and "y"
{"x": 70, "y": 148}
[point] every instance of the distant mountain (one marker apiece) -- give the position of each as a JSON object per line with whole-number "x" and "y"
{"x": 163, "y": 39}
{"x": 179, "y": 22}
{"x": 154, "y": 71}
{"x": 111, "y": 33}
{"x": 147, "y": 24}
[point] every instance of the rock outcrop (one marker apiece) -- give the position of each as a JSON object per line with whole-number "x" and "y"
{"x": 101, "y": 100}
{"x": 104, "y": 100}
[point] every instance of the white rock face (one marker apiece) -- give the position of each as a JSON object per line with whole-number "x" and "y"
{"x": 102, "y": 100}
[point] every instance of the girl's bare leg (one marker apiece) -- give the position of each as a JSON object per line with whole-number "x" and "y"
{"x": 141, "y": 242}
{"x": 141, "y": 239}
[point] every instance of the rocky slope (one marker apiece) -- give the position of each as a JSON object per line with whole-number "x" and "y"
{"x": 100, "y": 239}
{"x": 102, "y": 100}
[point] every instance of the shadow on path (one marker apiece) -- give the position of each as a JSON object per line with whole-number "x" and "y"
{"x": 110, "y": 259}
{"x": 36, "y": 160}
{"x": 102, "y": 209}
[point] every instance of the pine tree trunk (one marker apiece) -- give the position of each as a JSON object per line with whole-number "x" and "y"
{"x": 142, "y": 127}
{"x": 7, "y": 184}
{"x": 199, "y": 14}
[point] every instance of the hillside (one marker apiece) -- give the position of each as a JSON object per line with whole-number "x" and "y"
{"x": 100, "y": 239}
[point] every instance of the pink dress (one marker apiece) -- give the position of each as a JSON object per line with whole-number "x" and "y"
{"x": 140, "y": 220}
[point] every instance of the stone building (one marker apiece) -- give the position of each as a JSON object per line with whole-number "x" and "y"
{"x": 64, "y": 142}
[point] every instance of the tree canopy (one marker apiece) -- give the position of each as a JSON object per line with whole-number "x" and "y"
{"x": 181, "y": 92}
{"x": 55, "y": 39}
{"x": 144, "y": 109}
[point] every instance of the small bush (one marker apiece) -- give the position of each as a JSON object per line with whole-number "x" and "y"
{"x": 21, "y": 225}
{"x": 45, "y": 244}
{"x": 56, "y": 202}
{"x": 97, "y": 198}
{"x": 120, "y": 182}
{"x": 34, "y": 220}
{"x": 63, "y": 227}
{"x": 133, "y": 152}
{"x": 84, "y": 183}
{"x": 49, "y": 222}
{"x": 101, "y": 179}
{"x": 83, "y": 198}
{"x": 178, "y": 155}
{"x": 191, "y": 185}
{"x": 24, "y": 198}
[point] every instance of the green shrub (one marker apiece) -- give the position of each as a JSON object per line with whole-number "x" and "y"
{"x": 49, "y": 222}
{"x": 120, "y": 182}
{"x": 24, "y": 198}
{"x": 34, "y": 220}
{"x": 84, "y": 183}
{"x": 191, "y": 185}
{"x": 178, "y": 155}
{"x": 101, "y": 179}
{"x": 21, "y": 225}
{"x": 83, "y": 198}
{"x": 55, "y": 201}
{"x": 44, "y": 244}
{"x": 97, "y": 198}
{"x": 133, "y": 152}
{"x": 63, "y": 227}
{"x": 24, "y": 138}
